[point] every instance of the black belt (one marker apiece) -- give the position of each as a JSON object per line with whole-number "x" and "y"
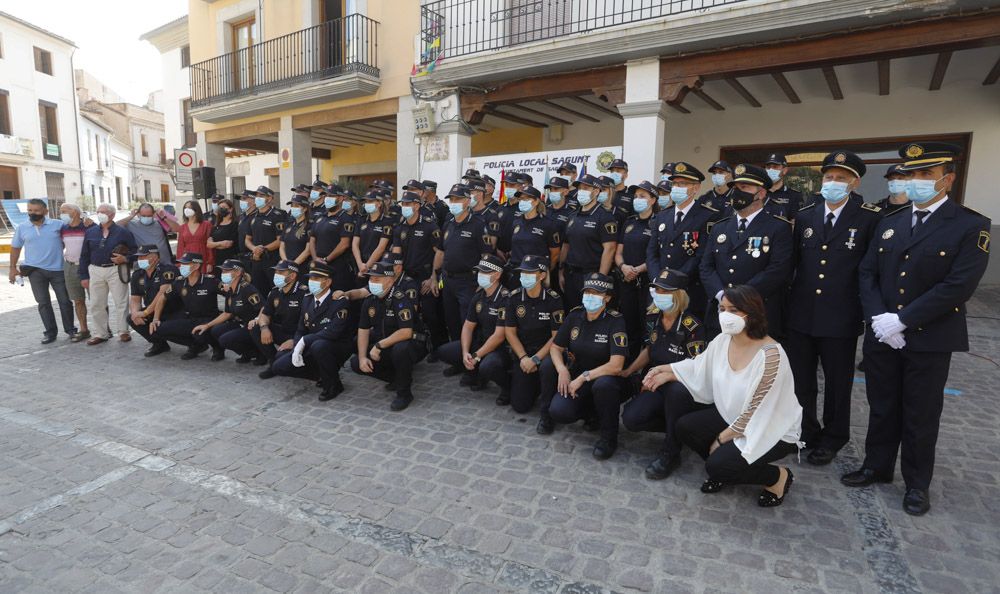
{"x": 104, "y": 265}
{"x": 579, "y": 269}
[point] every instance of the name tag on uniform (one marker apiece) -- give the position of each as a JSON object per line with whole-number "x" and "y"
{"x": 544, "y": 315}
{"x": 537, "y": 231}
{"x": 589, "y": 225}
{"x": 418, "y": 233}
{"x": 602, "y": 338}
{"x": 266, "y": 222}
{"x": 201, "y": 292}
{"x": 293, "y": 304}
{"x": 465, "y": 234}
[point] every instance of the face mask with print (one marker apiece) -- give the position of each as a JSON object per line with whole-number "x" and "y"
{"x": 678, "y": 194}
{"x": 528, "y": 280}
{"x": 584, "y": 197}
{"x": 375, "y": 288}
{"x": 616, "y": 176}
{"x": 554, "y": 197}
{"x": 278, "y": 281}
{"x": 774, "y": 174}
{"x": 66, "y": 218}
{"x": 524, "y": 206}
{"x": 370, "y": 207}
{"x": 663, "y": 302}
{"x": 226, "y": 277}
{"x": 315, "y": 287}
{"x": 189, "y": 212}
{"x": 455, "y": 207}
{"x": 483, "y": 280}
{"x": 731, "y": 323}
{"x": 185, "y": 270}
{"x": 407, "y": 211}
{"x": 740, "y": 199}
{"x": 330, "y": 202}
{"x": 833, "y": 191}
{"x": 718, "y": 179}
{"x": 143, "y": 264}
{"x": 259, "y": 201}
{"x": 593, "y": 303}
{"x": 146, "y": 220}
{"x": 295, "y": 211}
{"x": 897, "y": 186}
{"x": 921, "y": 190}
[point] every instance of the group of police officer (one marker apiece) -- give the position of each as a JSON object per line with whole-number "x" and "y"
{"x": 541, "y": 283}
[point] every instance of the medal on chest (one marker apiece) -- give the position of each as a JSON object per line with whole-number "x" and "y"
{"x": 690, "y": 242}
{"x": 753, "y": 246}
{"x": 850, "y": 240}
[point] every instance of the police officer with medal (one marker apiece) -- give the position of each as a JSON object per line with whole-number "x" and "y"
{"x": 480, "y": 354}
{"x": 465, "y": 238}
{"x": 750, "y": 247}
{"x": 195, "y": 294}
{"x": 587, "y": 356}
{"x": 266, "y": 228}
{"x": 781, "y": 200}
{"x": 922, "y": 266}
{"x": 717, "y": 197}
{"x": 824, "y": 306}
{"x": 679, "y": 235}
{"x": 631, "y": 281}
{"x": 532, "y": 317}
{"x": 228, "y": 330}
{"x": 590, "y": 241}
{"x": 149, "y": 282}
{"x": 330, "y": 239}
{"x": 671, "y": 334}
{"x": 418, "y": 240}
{"x": 896, "y": 181}
{"x": 295, "y": 238}
{"x": 390, "y": 335}
{"x": 322, "y": 339}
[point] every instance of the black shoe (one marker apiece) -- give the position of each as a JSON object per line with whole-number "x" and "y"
{"x": 863, "y": 477}
{"x": 390, "y": 387}
{"x": 266, "y": 374}
{"x": 503, "y": 399}
{"x": 218, "y": 354}
{"x": 468, "y": 380}
{"x": 335, "y": 389}
{"x": 156, "y": 348}
{"x": 545, "y": 426}
{"x": 591, "y": 424}
{"x": 769, "y": 499}
{"x": 193, "y": 352}
{"x": 244, "y": 358}
{"x": 661, "y": 468}
{"x": 401, "y": 402}
{"x": 451, "y": 370}
{"x": 48, "y": 339}
{"x": 916, "y": 502}
{"x": 261, "y": 361}
{"x": 711, "y": 486}
{"x": 821, "y": 456}
{"x": 605, "y": 448}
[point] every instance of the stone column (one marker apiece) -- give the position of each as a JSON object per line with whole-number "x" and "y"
{"x": 297, "y": 169}
{"x": 644, "y": 123}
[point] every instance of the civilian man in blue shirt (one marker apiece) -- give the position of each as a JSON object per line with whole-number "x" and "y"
{"x": 43, "y": 265}
{"x": 105, "y": 247}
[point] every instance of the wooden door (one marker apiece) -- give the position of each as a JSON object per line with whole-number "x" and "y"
{"x": 331, "y": 33}
{"x": 9, "y": 187}
{"x": 243, "y": 62}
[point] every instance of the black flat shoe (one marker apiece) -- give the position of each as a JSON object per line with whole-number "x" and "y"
{"x": 863, "y": 477}
{"x": 244, "y": 359}
{"x": 769, "y": 499}
{"x": 451, "y": 370}
{"x": 662, "y": 467}
{"x": 479, "y": 386}
{"x": 545, "y": 426}
{"x": 261, "y": 361}
{"x": 156, "y": 349}
{"x": 335, "y": 389}
{"x": 218, "y": 354}
{"x": 821, "y": 456}
{"x": 468, "y": 380}
{"x": 48, "y": 339}
{"x": 503, "y": 399}
{"x": 266, "y": 374}
{"x": 605, "y": 448}
{"x": 710, "y": 486}
{"x": 401, "y": 402}
{"x": 916, "y": 502}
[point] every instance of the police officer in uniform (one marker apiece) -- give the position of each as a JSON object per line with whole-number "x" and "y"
{"x": 247, "y": 210}
{"x": 590, "y": 242}
{"x": 465, "y": 238}
{"x": 607, "y": 199}
{"x": 390, "y": 337}
{"x": 295, "y": 238}
{"x": 631, "y": 281}
{"x": 679, "y": 234}
{"x": 479, "y": 201}
{"x": 582, "y": 375}
{"x": 671, "y": 334}
{"x": 533, "y": 233}
{"x": 372, "y": 235}
{"x": 266, "y": 227}
{"x": 781, "y": 200}
{"x": 558, "y": 209}
{"x": 274, "y": 328}
{"x": 322, "y": 339}
{"x": 567, "y": 171}
{"x": 418, "y": 240}
{"x": 824, "y": 306}
{"x": 318, "y": 196}
{"x": 896, "y": 180}
{"x": 431, "y": 200}
{"x": 751, "y": 247}
{"x": 242, "y": 302}
{"x": 622, "y": 197}
{"x": 330, "y": 240}
{"x": 716, "y": 197}
{"x": 480, "y": 352}
{"x": 196, "y": 294}
{"x": 532, "y": 317}
{"x": 149, "y": 282}
{"x": 924, "y": 263}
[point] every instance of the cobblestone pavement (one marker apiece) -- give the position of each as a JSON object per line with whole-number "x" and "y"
{"x": 119, "y": 473}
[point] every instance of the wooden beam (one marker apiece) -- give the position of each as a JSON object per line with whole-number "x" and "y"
{"x": 883, "y": 77}
{"x": 369, "y": 131}
{"x": 325, "y": 142}
{"x": 707, "y": 99}
{"x": 569, "y": 111}
{"x": 786, "y": 86}
{"x": 600, "y": 108}
{"x": 513, "y": 118}
{"x": 831, "y": 81}
{"x": 739, "y": 88}
{"x": 679, "y": 107}
{"x": 940, "y": 69}
{"x": 353, "y": 135}
{"x": 360, "y": 112}
{"x": 541, "y": 113}
{"x": 268, "y": 146}
{"x": 993, "y": 75}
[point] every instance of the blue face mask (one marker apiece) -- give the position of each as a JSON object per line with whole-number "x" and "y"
{"x": 375, "y": 288}
{"x": 664, "y": 177}
{"x": 678, "y": 194}
{"x": 484, "y": 280}
{"x": 897, "y": 186}
{"x": 259, "y": 201}
{"x": 554, "y": 197}
{"x": 215, "y": 207}
{"x": 616, "y": 176}
{"x": 407, "y": 211}
{"x": 833, "y": 191}
{"x": 593, "y": 303}
{"x": 370, "y": 207}
{"x": 455, "y": 208}
{"x": 640, "y": 205}
{"x": 278, "y": 280}
{"x": 346, "y": 204}
{"x": 664, "y": 200}
{"x": 509, "y": 192}
{"x": 663, "y": 302}
{"x": 315, "y": 287}
{"x": 329, "y": 202}
{"x": 528, "y": 280}
{"x": 921, "y": 190}
{"x": 65, "y": 218}
{"x": 143, "y": 264}
{"x": 185, "y": 270}
{"x": 295, "y": 211}
{"x": 314, "y": 195}
{"x": 146, "y": 220}
{"x": 718, "y": 179}
{"x": 226, "y": 277}
{"x": 524, "y": 206}
{"x": 602, "y": 197}
{"x": 774, "y": 174}
{"x": 473, "y": 202}
{"x": 584, "y": 197}
{"x": 244, "y": 206}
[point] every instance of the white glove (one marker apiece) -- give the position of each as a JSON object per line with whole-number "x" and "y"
{"x": 896, "y": 341}
{"x": 297, "y": 359}
{"x": 887, "y": 324}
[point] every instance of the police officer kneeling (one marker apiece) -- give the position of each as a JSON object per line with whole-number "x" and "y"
{"x": 197, "y": 295}
{"x": 390, "y": 337}
{"x": 274, "y": 328}
{"x": 322, "y": 340}
{"x": 149, "y": 282}
{"x": 228, "y": 330}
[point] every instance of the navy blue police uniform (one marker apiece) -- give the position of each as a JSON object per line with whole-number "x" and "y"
{"x": 418, "y": 243}
{"x": 586, "y": 233}
{"x": 283, "y": 308}
{"x": 463, "y": 242}
{"x": 196, "y": 304}
{"x": 146, "y": 284}
{"x": 265, "y": 228}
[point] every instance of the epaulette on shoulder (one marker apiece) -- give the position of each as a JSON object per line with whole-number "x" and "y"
{"x": 871, "y": 207}
{"x": 504, "y": 292}
{"x": 552, "y": 294}
{"x": 711, "y": 208}
{"x": 808, "y": 206}
{"x": 723, "y": 219}
{"x": 781, "y": 218}
{"x": 515, "y": 292}
{"x": 614, "y": 313}
{"x": 975, "y": 212}
{"x": 652, "y": 309}
{"x": 577, "y": 308}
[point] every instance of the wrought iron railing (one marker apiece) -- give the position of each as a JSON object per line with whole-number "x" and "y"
{"x": 330, "y": 49}
{"x": 452, "y": 28}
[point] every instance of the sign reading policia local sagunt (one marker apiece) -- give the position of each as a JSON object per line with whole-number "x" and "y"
{"x": 541, "y": 166}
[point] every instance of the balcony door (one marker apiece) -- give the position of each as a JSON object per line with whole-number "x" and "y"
{"x": 531, "y": 20}
{"x": 242, "y": 44}
{"x": 331, "y": 33}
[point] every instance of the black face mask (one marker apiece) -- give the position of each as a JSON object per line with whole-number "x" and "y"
{"x": 34, "y": 218}
{"x": 740, "y": 199}
{"x": 223, "y": 212}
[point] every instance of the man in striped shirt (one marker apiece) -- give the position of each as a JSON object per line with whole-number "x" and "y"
{"x": 74, "y": 226}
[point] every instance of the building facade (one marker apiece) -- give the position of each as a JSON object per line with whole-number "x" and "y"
{"x": 98, "y": 174}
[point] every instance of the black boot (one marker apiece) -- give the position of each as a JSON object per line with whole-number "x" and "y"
{"x": 402, "y": 401}
{"x": 504, "y": 398}
{"x": 266, "y": 374}
{"x": 605, "y": 448}
{"x": 193, "y": 351}
{"x": 244, "y": 358}
{"x": 333, "y": 390}
{"x": 218, "y": 354}
{"x": 452, "y": 370}
{"x": 545, "y": 425}
{"x": 661, "y": 468}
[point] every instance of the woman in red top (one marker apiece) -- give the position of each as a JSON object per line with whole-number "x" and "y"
{"x": 193, "y": 234}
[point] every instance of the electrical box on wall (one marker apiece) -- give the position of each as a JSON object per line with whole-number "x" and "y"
{"x": 423, "y": 119}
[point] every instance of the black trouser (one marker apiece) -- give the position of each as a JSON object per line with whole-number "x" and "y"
{"x": 323, "y": 360}
{"x": 395, "y": 364}
{"x": 726, "y": 464}
{"x": 601, "y": 397}
{"x": 905, "y": 397}
{"x": 260, "y": 271}
{"x": 633, "y": 299}
{"x": 143, "y": 330}
{"x": 230, "y": 335}
{"x": 697, "y": 299}
{"x": 278, "y": 336}
{"x": 178, "y": 331}
{"x": 494, "y": 367}
{"x": 658, "y": 412}
{"x": 40, "y": 281}
{"x": 525, "y": 387}
{"x": 836, "y": 355}
{"x": 573, "y": 291}
{"x": 456, "y": 298}
{"x": 432, "y": 314}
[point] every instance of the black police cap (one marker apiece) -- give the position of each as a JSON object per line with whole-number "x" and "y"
{"x": 287, "y": 265}
{"x": 533, "y": 263}
{"x": 320, "y": 270}
{"x": 558, "y": 183}
{"x": 230, "y": 264}
{"x": 430, "y": 184}
{"x": 566, "y": 166}
{"x": 490, "y": 263}
{"x": 776, "y": 159}
{"x": 686, "y": 171}
{"x": 414, "y": 184}
{"x": 458, "y": 191}
{"x": 671, "y": 280}
{"x": 618, "y": 164}
{"x": 646, "y": 187}
{"x": 409, "y": 197}
{"x": 924, "y": 155}
{"x": 596, "y": 281}
{"x": 720, "y": 165}
{"x": 750, "y": 174}
{"x": 588, "y": 180}
{"x": 845, "y": 160}
{"x": 191, "y": 258}
{"x": 147, "y": 249}
{"x": 530, "y": 192}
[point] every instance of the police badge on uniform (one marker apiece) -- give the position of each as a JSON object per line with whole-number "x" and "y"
{"x": 807, "y": 233}
{"x": 521, "y": 311}
{"x": 721, "y": 238}
{"x": 887, "y": 233}
{"x": 479, "y": 306}
{"x": 574, "y": 333}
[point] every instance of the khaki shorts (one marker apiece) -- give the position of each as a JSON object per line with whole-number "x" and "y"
{"x": 71, "y": 272}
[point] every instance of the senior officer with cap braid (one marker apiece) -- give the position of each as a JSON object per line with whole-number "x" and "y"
{"x": 242, "y": 304}
{"x": 323, "y": 337}
{"x": 418, "y": 240}
{"x": 465, "y": 238}
{"x": 824, "y": 305}
{"x": 923, "y": 265}
{"x": 274, "y": 328}
{"x": 590, "y": 242}
{"x": 196, "y": 294}
{"x": 750, "y": 247}
{"x": 679, "y": 235}
{"x": 266, "y": 227}
{"x": 149, "y": 283}
{"x": 781, "y": 200}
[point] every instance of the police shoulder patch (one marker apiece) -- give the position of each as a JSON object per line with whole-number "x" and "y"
{"x": 695, "y": 348}
{"x": 405, "y": 315}
{"x": 169, "y": 275}
{"x": 621, "y": 339}
{"x": 689, "y": 322}
{"x": 436, "y": 233}
{"x": 254, "y": 299}
{"x": 869, "y": 206}
{"x": 984, "y": 241}
{"x": 611, "y": 228}
{"x": 652, "y": 309}
{"x": 614, "y": 313}
{"x": 551, "y": 293}
{"x": 349, "y": 227}
{"x": 479, "y": 306}
{"x": 371, "y": 312}
{"x": 342, "y": 314}
{"x": 557, "y": 316}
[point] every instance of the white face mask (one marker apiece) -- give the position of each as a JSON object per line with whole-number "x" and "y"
{"x": 189, "y": 212}
{"x": 102, "y": 218}
{"x": 731, "y": 323}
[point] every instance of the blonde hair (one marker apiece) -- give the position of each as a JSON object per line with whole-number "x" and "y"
{"x": 681, "y": 302}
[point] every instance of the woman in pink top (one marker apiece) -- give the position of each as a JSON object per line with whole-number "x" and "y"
{"x": 193, "y": 234}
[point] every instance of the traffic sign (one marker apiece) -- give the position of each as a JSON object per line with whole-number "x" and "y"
{"x": 184, "y": 162}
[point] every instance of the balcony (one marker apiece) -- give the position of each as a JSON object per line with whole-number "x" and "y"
{"x": 333, "y": 60}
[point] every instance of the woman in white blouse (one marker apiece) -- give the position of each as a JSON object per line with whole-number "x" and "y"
{"x": 756, "y": 417}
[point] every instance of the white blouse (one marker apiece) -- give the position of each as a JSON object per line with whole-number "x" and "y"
{"x": 758, "y": 401}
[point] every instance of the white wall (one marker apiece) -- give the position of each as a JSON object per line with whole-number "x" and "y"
{"x": 97, "y": 174}
{"x": 176, "y": 88}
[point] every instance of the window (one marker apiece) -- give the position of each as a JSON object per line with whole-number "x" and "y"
{"x": 118, "y": 190}
{"x": 163, "y": 151}
{"x": 90, "y": 147}
{"x": 49, "y": 124}
{"x": 190, "y": 138}
{"x": 43, "y": 61}
{"x": 107, "y": 153}
{"x": 1, "y": 46}
{"x": 97, "y": 149}
{"x": 93, "y": 194}
{"x": 185, "y": 56}
{"x": 142, "y": 142}
{"x": 164, "y": 192}
{"x": 147, "y": 189}
{"x": 5, "y": 127}
{"x": 54, "y": 186}
{"x": 101, "y": 192}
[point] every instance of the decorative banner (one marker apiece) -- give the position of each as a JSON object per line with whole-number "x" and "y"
{"x": 542, "y": 166}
